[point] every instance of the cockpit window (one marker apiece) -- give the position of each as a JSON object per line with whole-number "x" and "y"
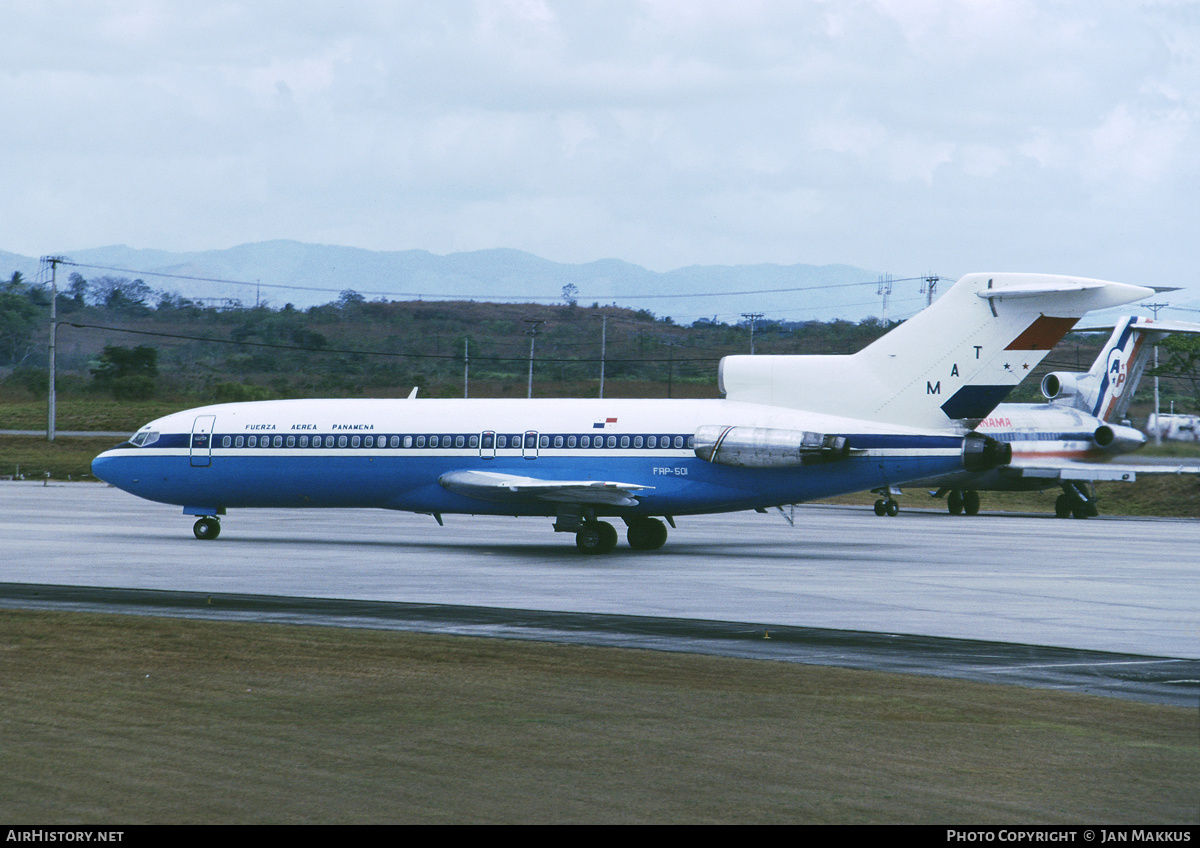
{"x": 144, "y": 438}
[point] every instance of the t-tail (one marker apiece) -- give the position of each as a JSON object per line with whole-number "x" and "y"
{"x": 946, "y": 367}
{"x": 1107, "y": 389}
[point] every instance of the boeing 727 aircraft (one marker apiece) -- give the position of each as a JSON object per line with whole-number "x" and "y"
{"x": 1069, "y": 441}
{"x": 803, "y": 428}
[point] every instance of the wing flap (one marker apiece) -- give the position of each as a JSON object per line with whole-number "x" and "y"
{"x": 513, "y": 488}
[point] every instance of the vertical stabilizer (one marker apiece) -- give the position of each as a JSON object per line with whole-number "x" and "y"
{"x": 1107, "y": 389}
{"x": 949, "y": 365}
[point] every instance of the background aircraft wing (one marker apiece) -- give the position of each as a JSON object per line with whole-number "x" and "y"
{"x": 1091, "y": 472}
{"x": 512, "y": 488}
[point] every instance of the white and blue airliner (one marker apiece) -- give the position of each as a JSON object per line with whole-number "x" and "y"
{"x": 789, "y": 429}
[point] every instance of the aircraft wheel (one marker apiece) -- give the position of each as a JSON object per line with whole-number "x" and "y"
{"x": 646, "y": 534}
{"x": 892, "y": 508}
{"x": 954, "y": 502}
{"x": 970, "y": 500}
{"x": 597, "y": 538}
{"x": 207, "y": 528}
{"x": 1063, "y": 506}
{"x": 1080, "y": 510}
{"x": 881, "y": 507}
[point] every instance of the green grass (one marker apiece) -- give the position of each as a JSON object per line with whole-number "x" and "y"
{"x": 123, "y": 719}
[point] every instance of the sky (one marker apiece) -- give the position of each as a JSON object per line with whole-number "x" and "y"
{"x": 907, "y": 136}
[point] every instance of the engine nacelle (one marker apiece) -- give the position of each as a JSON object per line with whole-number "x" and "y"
{"x": 1058, "y": 385}
{"x": 1119, "y": 439}
{"x": 764, "y": 447}
{"x": 983, "y": 453}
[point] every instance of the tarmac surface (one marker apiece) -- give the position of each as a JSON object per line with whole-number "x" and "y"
{"x": 1108, "y": 606}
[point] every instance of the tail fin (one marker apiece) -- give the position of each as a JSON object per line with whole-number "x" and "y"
{"x": 1107, "y": 389}
{"x": 948, "y": 365}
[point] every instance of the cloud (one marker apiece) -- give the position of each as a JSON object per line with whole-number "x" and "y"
{"x": 895, "y": 134}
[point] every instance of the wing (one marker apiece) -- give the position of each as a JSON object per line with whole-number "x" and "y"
{"x": 1091, "y": 472}
{"x": 511, "y": 488}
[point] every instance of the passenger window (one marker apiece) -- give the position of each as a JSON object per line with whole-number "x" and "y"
{"x": 612, "y": 441}
{"x": 571, "y": 441}
{"x": 624, "y": 441}
{"x": 277, "y": 441}
{"x": 355, "y": 441}
{"x": 501, "y": 441}
{"x": 341, "y": 441}
{"x": 408, "y": 441}
{"x": 420, "y": 441}
{"x": 433, "y": 441}
{"x": 460, "y": 441}
{"x": 544, "y": 442}
{"x": 637, "y": 441}
{"x": 304, "y": 441}
{"x": 585, "y": 441}
{"x": 679, "y": 441}
{"x": 558, "y": 441}
{"x": 473, "y": 442}
{"x": 252, "y": 442}
{"x": 225, "y": 442}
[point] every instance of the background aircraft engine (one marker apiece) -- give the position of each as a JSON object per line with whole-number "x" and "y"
{"x": 1059, "y": 385}
{"x": 764, "y": 447}
{"x": 981, "y": 453}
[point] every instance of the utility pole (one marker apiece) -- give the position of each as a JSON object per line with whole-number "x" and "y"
{"x": 532, "y": 333}
{"x": 752, "y": 317}
{"x": 52, "y": 398}
{"x": 885, "y": 290}
{"x": 603, "y": 347}
{"x": 466, "y": 366}
{"x": 1157, "y": 421}
{"x": 929, "y": 288}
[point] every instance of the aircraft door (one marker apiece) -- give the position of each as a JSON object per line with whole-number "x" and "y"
{"x": 201, "y": 444}
{"x": 487, "y": 444}
{"x": 529, "y": 447}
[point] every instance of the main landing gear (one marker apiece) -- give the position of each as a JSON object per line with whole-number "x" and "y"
{"x": 208, "y": 527}
{"x": 1074, "y": 502}
{"x": 962, "y": 501}
{"x": 600, "y": 537}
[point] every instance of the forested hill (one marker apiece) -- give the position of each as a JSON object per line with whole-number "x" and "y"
{"x": 118, "y": 337}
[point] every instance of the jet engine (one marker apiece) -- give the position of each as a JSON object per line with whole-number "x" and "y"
{"x": 1059, "y": 385}
{"x": 983, "y": 453}
{"x": 765, "y": 447}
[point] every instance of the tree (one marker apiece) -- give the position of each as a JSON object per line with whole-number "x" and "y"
{"x": 128, "y": 374}
{"x": 18, "y": 319}
{"x": 1182, "y": 362}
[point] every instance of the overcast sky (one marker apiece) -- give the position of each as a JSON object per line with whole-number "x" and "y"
{"x": 897, "y": 135}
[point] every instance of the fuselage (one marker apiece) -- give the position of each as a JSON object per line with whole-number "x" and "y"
{"x": 394, "y": 454}
{"x": 1042, "y": 434}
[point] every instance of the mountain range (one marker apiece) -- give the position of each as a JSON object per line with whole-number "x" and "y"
{"x": 280, "y": 272}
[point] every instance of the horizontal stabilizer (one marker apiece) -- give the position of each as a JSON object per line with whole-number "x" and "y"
{"x": 512, "y": 488}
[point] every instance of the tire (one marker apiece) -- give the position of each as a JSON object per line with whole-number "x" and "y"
{"x": 971, "y": 502}
{"x": 954, "y": 502}
{"x": 892, "y": 508}
{"x": 881, "y": 507}
{"x": 1063, "y": 505}
{"x": 596, "y": 538}
{"x": 646, "y": 534}
{"x": 207, "y": 528}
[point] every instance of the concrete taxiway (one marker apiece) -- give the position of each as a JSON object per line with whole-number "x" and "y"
{"x": 1120, "y": 586}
